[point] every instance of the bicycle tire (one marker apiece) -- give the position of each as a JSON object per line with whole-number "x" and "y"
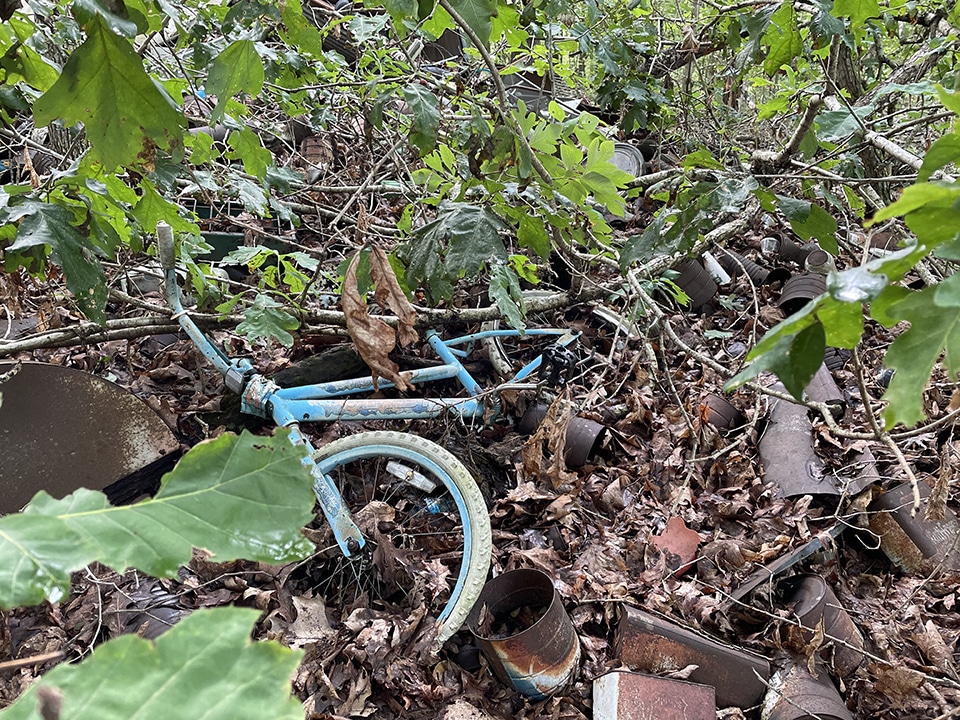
{"x": 334, "y": 460}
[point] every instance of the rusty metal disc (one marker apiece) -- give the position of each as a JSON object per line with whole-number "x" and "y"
{"x": 62, "y": 429}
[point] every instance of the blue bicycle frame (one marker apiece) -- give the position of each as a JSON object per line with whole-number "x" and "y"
{"x": 325, "y": 402}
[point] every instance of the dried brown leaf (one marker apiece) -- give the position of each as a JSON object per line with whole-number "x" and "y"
{"x": 373, "y": 338}
{"x": 934, "y": 648}
{"x": 937, "y": 502}
{"x": 898, "y": 683}
{"x": 389, "y": 295}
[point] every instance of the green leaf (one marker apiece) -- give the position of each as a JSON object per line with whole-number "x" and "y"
{"x": 153, "y": 207}
{"x": 39, "y": 554}
{"x": 301, "y": 33}
{"x": 22, "y": 62}
{"x": 426, "y": 116}
{"x": 794, "y": 359}
{"x": 266, "y": 319}
{"x": 237, "y": 497}
{"x": 505, "y": 293}
{"x": 859, "y": 11}
{"x": 837, "y": 125}
{"x": 478, "y": 15}
{"x": 121, "y": 19}
{"x": 733, "y": 193}
{"x": 944, "y": 151}
{"x": 204, "y": 666}
{"x": 823, "y": 24}
{"x": 474, "y": 239}
{"x": 248, "y": 149}
{"x": 53, "y": 225}
{"x": 532, "y": 233}
{"x": 783, "y": 39}
{"x": 104, "y": 86}
{"x": 237, "y": 69}
{"x": 934, "y": 317}
{"x": 842, "y": 320}
{"x": 856, "y": 285}
{"x": 425, "y": 263}
{"x": 809, "y": 220}
{"x": 400, "y": 11}
{"x": 931, "y": 210}
{"x": 701, "y": 159}
{"x": 950, "y": 100}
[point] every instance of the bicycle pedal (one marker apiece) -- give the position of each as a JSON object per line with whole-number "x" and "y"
{"x": 557, "y": 366}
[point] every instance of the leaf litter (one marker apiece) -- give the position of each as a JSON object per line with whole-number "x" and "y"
{"x": 598, "y": 530}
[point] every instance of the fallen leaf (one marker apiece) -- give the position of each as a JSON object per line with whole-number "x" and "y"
{"x": 678, "y": 544}
{"x": 373, "y": 338}
{"x": 389, "y": 295}
{"x": 897, "y": 682}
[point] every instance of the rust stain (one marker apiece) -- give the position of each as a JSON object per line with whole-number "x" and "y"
{"x": 648, "y": 643}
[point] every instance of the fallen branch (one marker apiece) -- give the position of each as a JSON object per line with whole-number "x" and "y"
{"x": 884, "y": 144}
{"x": 767, "y": 161}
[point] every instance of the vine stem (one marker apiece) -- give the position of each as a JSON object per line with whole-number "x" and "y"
{"x": 882, "y": 435}
{"x": 501, "y": 89}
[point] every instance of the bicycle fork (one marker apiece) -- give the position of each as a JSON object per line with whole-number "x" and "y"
{"x": 255, "y": 391}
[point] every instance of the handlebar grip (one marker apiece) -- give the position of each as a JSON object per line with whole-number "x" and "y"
{"x": 168, "y": 254}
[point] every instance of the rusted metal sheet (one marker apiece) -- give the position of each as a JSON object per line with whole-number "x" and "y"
{"x": 525, "y": 634}
{"x": 651, "y": 644}
{"x": 823, "y": 388}
{"x": 635, "y": 696}
{"x": 766, "y": 573}
{"x": 914, "y": 543}
{"x": 816, "y": 607}
{"x": 62, "y": 429}
{"x": 795, "y": 694}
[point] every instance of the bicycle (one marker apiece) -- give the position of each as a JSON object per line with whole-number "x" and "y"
{"x": 412, "y": 496}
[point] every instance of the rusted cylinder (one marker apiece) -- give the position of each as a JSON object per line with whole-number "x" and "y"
{"x": 696, "y": 282}
{"x": 795, "y": 694}
{"x": 787, "y": 452}
{"x": 823, "y": 388}
{"x": 721, "y": 413}
{"x": 797, "y": 252}
{"x": 735, "y": 264}
{"x": 911, "y": 541}
{"x": 582, "y": 440}
{"x": 816, "y": 606}
{"x": 799, "y": 290}
{"x": 620, "y": 695}
{"x": 525, "y": 634}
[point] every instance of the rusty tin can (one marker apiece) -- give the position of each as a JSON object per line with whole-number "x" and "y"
{"x": 651, "y": 644}
{"x": 816, "y": 605}
{"x": 623, "y": 695}
{"x": 799, "y": 290}
{"x": 525, "y": 634}
{"x": 583, "y": 438}
{"x": 915, "y": 544}
{"x": 795, "y": 694}
{"x": 696, "y": 282}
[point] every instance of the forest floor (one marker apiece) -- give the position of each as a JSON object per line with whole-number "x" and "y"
{"x": 595, "y": 529}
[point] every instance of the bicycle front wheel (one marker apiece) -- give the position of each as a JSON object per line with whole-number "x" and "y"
{"x": 426, "y": 527}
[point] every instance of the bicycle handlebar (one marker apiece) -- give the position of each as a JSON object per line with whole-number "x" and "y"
{"x": 168, "y": 254}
